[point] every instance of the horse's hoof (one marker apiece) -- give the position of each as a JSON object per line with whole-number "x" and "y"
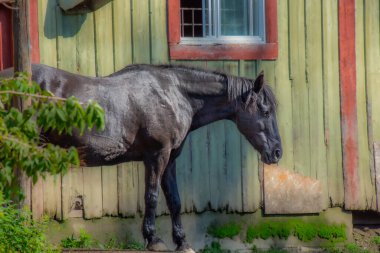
{"x": 157, "y": 245}
{"x": 185, "y": 248}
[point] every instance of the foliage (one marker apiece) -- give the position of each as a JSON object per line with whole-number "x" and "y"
{"x": 376, "y": 240}
{"x": 215, "y": 247}
{"x": 226, "y": 230}
{"x": 134, "y": 245}
{"x": 353, "y": 248}
{"x": 19, "y": 232}
{"x": 84, "y": 241}
{"x": 301, "y": 229}
{"x": 112, "y": 243}
{"x": 306, "y": 231}
{"x": 20, "y": 143}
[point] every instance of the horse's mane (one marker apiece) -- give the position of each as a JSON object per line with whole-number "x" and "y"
{"x": 236, "y": 86}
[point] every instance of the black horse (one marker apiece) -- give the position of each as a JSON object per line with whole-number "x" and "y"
{"x": 150, "y": 110}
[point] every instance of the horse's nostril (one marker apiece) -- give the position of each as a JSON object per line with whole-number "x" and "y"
{"x": 277, "y": 153}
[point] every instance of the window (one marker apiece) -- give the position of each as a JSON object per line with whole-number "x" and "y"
{"x": 222, "y": 29}
{"x": 222, "y": 21}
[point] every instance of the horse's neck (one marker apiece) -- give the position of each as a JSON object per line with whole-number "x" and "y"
{"x": 210, "y": 104}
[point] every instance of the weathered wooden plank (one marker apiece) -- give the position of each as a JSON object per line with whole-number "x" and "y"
{"x": 52, "y": 196}
{"x": 251, "y": 190}
{"x": 92, "y": 192}
{"x": 141, "y": 31}
{"x": 184, "y": 177}
{"x": 109, "y": 190}
{"x": 67, "y": 27}
{"x": 216, "y": 154}
{"x": 38, "y": 199}
{"x": 347, "y": 59}
{"x": 331, "y": 96}
{"x": 363, "y": 141}
{"x": 158, "y": 40}
{"x": 300, "y": 97}
{"x": 233, "y": 154}
{"x": 86, "y": 46}
{"x": 104, "y": 41}
{"x": 72, "y": 193}
{"x": 200, "y": 168}
{"x": 372, "y": 75}
{"x": 127, "y": 188}
{"x": 283, "y": 88}
{"x": 122, "y": 33}
{"x": 314, "y": 66}
{"x": 47, "y": 32}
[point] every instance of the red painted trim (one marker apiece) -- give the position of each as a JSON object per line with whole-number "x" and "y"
{"x": 34, "y": 38}
{"x": 271, "y": 21}
{"x": 347, "y": 63}
{"x": 1, "y": 47}
{"x": 174, "y": 21}
{"x": 6, "y": 53}
{"x": 266, "y": 51}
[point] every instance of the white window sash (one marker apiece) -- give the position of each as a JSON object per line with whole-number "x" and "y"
{"x": 214, "y": 26}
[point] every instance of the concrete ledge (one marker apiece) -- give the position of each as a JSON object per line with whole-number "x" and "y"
{"x": 196, "y": 225}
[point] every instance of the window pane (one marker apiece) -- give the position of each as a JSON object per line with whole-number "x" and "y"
{"x": 234, "y": 17}
{"x": 208, "y": 14}
{"x": 191, "y": 18}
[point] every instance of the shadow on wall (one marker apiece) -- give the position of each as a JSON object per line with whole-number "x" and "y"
{"x": 57, "y": 23}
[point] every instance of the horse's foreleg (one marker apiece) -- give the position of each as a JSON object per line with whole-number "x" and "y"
{"x": 154, "y": 169}
{"x": 169, "y": 186}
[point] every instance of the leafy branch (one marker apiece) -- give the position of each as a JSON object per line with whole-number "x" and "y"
{"x": 21, "y": 143}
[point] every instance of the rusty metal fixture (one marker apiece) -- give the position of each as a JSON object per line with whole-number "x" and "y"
{"x": 81, "y": 6}
{"x": 8, "y": 4}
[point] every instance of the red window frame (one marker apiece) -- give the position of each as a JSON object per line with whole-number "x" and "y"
{"x": 254, "y": 51}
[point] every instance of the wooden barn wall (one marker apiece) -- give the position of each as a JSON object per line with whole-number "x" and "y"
{"x": 368, "y": 90}
{"x": 218, "y": 169}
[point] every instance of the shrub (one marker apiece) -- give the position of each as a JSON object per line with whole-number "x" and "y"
{"x": 19, "y": 232}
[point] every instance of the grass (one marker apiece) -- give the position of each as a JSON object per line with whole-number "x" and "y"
{"x": 85, "y": 241}
{"x": 304, "y": 231}
{"x": 228, "y": 230}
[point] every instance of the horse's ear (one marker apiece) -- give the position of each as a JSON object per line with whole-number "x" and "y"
{"x": 259, "y": 82}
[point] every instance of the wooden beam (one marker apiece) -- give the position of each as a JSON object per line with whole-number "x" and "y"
{"x": 21, "y": 60}
{"x": 347, "y": 63}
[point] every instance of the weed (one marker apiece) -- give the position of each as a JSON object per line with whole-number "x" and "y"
{"x": 134, "y": 245}
{"x": 227, "y": 230}
{"x": 215, "y": 247}
{"x": 82, "y": 242}
{"x": 376, "y": 240}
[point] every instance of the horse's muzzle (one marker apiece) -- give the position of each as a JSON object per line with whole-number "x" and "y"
{"x": 273, "y": 156}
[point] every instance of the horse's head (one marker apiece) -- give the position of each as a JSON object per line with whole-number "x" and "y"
{"x": 256, "y": 120}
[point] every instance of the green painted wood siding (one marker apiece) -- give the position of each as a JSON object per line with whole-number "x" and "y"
{"x": 218, "y": 169}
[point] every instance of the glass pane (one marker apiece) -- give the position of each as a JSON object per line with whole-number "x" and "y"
{"x": 208, "y": 17}
{"x": 234, "y": 17}
{"x": 191, "y": 18}
{"x": 258, "y": 17}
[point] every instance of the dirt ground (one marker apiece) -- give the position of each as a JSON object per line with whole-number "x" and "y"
{"x": 365, "y": 236}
